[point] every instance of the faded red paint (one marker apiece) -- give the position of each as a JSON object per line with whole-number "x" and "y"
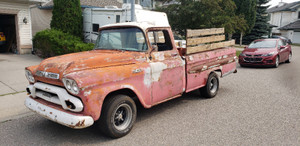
{"x": 153, "y": 76}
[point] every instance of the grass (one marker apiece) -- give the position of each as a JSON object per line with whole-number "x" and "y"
{"x": 296, "y": 45}
{"x": 12, "y": 93}
{"x": 238, "y": 52}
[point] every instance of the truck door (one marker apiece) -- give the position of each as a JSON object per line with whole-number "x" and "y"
{"x": 167, "y": 66}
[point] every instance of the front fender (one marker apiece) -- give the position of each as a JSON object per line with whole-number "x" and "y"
{"x": 96, "y": 84}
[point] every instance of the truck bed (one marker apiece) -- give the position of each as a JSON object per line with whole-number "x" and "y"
{"x": 200, "y": 65}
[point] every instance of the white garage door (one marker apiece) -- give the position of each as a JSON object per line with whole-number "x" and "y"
{"x": 296, "y": 37}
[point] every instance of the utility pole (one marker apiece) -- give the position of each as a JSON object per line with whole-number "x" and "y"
{"x": 132, "y": 10}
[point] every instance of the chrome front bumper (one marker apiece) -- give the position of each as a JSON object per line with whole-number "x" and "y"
{"x": 64, "y": 118}
{"x": 56, "y": 95}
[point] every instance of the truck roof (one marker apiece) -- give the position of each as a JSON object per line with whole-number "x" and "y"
{"x": 142, "y": 25}
{"x": 145, "y": 19}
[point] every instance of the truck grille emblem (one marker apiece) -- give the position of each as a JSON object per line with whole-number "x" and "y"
{"x": 47, "y": 74}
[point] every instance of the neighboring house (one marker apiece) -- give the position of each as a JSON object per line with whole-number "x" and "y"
{"x": 286, "y": 19}
{"x": 42, "y": 14}
{"x": 15, "y": 22}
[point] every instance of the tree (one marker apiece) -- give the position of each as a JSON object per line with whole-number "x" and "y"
{"x": 204, "y": 14}
{"x": 246, "y": 9}
{"x": 261, "y": 25}
{"x": 67, "y": 17}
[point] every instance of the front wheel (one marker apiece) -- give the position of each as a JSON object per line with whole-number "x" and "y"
{"x": 276, "y": 62}
{"x": 290, "y": 58}
{"x": 211, "y": 88}
{"x": 118, "y": 116}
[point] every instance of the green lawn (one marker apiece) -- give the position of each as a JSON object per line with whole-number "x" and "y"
{"x": 238, "y": 53}
{"x": 295, "y": 44}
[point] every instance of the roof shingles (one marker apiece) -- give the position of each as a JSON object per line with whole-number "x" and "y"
{"x": 285, "y": 7}
{"x": 92, "y": 3}
{"x": 291, "y": 26}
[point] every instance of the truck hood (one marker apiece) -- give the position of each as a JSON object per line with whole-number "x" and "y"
{"x": 88, "y": 60}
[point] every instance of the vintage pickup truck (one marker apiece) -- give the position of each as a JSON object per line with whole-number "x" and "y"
{"x": 134, "y": 62}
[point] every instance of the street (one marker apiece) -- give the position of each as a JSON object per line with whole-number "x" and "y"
{"x": 255, "y": 106}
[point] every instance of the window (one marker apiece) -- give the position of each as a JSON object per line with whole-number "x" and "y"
{"x": 160, "y": 40}
{"x": 95, "y": 27}
{"x": 117, "y": 18}
{"x": 280, "y": 43}
{"x": 299, "y": 15}
{"x": 129, "y": 39}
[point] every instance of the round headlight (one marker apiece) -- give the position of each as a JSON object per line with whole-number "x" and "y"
{"x": 68, "y": 85}
{"x": 29, "y": 76}
{"x": 71, "y": 85}
{"x": 75, "y": 87}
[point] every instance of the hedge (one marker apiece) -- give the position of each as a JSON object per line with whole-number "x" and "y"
{"x": 51, "y": 42}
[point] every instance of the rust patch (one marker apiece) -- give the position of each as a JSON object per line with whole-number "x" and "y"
{"x": 80, "y": 124}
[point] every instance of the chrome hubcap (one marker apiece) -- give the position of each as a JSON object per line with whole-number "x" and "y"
{"x": 213, "y": 85}
{"x": 122, "y": 117}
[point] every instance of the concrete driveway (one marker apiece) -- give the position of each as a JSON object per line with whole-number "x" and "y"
{"x": 13, "y": 83}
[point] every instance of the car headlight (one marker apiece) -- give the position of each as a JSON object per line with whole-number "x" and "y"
{"x": 270, "y": 54}
{"x": 71, "y": 85}
{"x": 29, "y": 76}
{"x": 242, "y": 54}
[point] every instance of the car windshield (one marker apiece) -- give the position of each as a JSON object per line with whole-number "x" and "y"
{"x": 263, "y": 44}
{"x": 125, "y": 39}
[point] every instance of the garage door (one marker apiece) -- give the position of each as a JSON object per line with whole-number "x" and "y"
{"x": 296, "y": 38}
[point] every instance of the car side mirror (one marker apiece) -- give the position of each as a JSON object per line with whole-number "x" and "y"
{"x": 245, "y": 47}
{"x": 282, "y": 47}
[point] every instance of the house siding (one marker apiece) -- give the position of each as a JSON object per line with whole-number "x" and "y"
{"x": 40, "y": 19}
{"x": 283, "y": 18}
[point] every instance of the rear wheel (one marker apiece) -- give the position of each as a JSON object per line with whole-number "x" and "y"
{"x": 118, "y": 116}
{"x": 211, "y": 88}
{"x": 290, "y": 58}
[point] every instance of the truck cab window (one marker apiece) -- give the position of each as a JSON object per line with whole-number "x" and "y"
{"x": 129, "y": 39}
{"x": 160, "y": 39}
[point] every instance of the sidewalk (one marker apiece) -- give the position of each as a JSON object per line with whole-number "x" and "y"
{"x": 13, "y": 84}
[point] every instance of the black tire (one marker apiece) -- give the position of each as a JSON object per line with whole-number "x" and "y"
{"x": 276, "y": 62}
{"x": 118, "y": 116}
{"x": 290, "y": 58}
{"x": 211, "y": 88}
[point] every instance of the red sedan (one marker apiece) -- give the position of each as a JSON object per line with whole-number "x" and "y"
{"x": 266, "y": 52}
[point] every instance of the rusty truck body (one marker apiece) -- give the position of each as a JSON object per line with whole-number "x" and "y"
{"x": 132, "y": 62}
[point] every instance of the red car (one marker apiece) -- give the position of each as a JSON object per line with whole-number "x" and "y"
{"x": 266, "y": 52}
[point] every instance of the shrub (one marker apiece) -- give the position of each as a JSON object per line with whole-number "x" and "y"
{"x": 50, "y": 42}
{"x": 67, "y": 17}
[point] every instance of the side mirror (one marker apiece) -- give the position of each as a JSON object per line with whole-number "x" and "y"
{"x": 245, "y": 47}
{"x": 282, "y": 47}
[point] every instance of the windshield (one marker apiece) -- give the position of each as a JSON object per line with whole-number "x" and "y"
{"x": 263, "y": 44}
{"x": 129, "y": 39}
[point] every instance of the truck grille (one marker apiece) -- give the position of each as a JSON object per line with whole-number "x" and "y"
{"x": 56, "y": 95}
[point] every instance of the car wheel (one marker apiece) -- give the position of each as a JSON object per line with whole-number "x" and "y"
{"x": 118, "y": 116}
{"x": 276, "y": 62}
{"x": 290, "y": 58}
{"x": 211, "y": 88}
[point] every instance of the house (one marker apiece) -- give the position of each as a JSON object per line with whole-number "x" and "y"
{"x": 286, "y": 19}
{"x": 42, "y": 14}
{"x": 15, "y": 22}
